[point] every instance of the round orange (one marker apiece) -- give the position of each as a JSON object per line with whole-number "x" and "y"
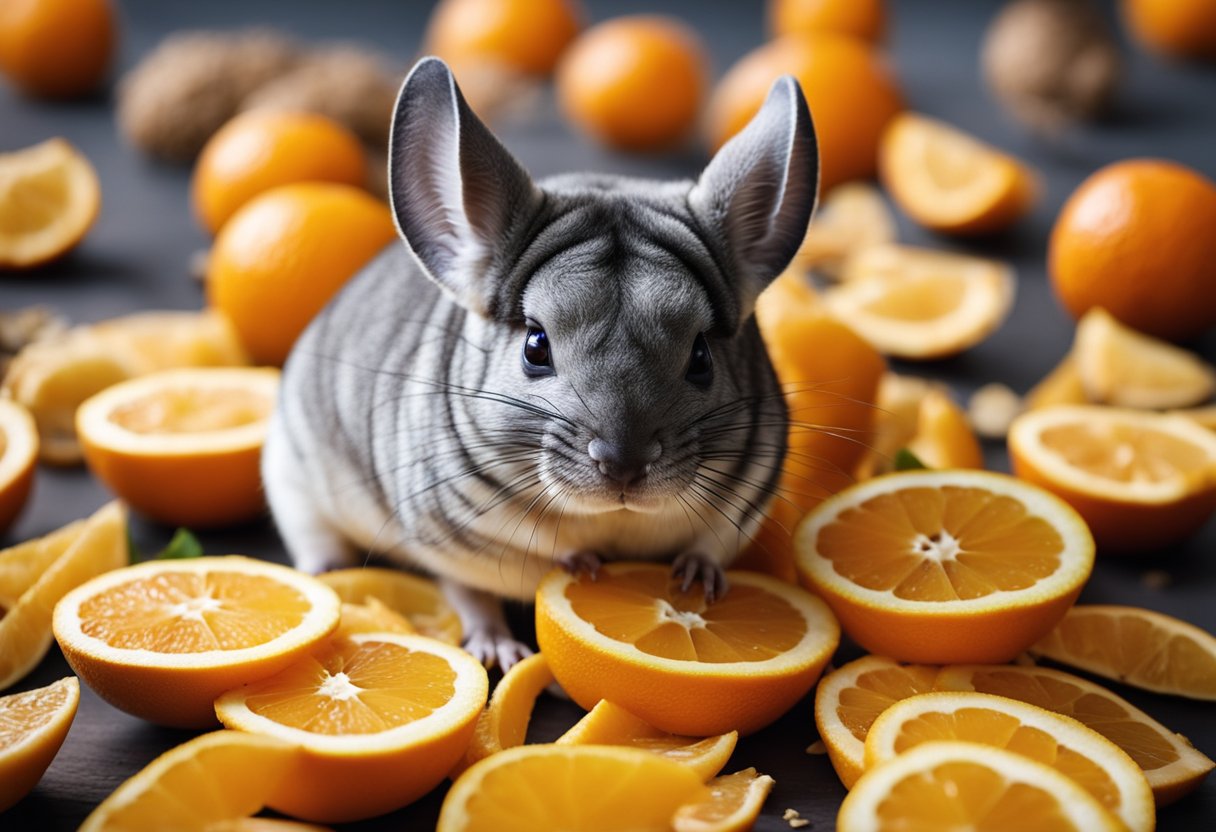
{"x": 525, "y": 35}
{"x": 1138, "y": 238}
{"x": 282, "y": 256}
{"x": 56, "y": 48}
{"x": 851, "y": 94}
{"x": 866, "y": 19}
{"x": 261, "y": 149}
{"x": 1183, "y": 28}
{"x": 634, "y": 83}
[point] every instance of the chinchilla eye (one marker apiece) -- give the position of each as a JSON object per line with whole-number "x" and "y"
{"x": 700, "y": 364}
{"x": 537, "y": 361}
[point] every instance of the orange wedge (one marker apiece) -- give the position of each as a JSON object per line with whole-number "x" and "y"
{"x": 919, "y": 304}
{"x": 33, "y": 725}
{"x": 940, "y": 566}
{"x": 1135, "y": 646}
{"x": 1172, "y": 766}
{"x": 684, "y": 666}
{"x": 418, "y": 599}
{"x": 849, "y": 699}
{"x": 1061, "y": 386}
{"x": 609, "y": 724}
{"x": 161, "y": 640}
{"x": 944, "y": 438}
{"x": 49, "y": 198}
{"x": 504, "y": 722}
{"x": 18, "y": 454}
{"x": 575, "y": 788}
{"x": 963, "y": 785}
{"x": 36, "y": 574}
{"x": 949, "y": 181}
{"x": 183, "y": 446}
{"x": 1094, "y": 762}
{"x": 851, "y": 217}
{"x": 1141, "y": 480}
{"x": 733, "y": 805}
{"x": 381, "y": 718}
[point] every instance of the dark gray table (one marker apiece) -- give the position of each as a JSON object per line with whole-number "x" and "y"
{"x": 136, "y": 258}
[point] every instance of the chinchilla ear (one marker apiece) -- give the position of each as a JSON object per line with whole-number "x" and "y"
{"x": 757, "y": 194}
{"x": 459, "y": 197}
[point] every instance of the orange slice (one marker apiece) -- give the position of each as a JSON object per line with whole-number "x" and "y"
{"x": 418, "y": 599}
{"x": 1172, "y": 766}
{"x": 733, "y": 805}
{"x": 919, "y": 304}
{"x": 684, "y": 666}
{"x": 18, "y": 453}
{"x": 609, "y": 724}
{"x": 162, "y": 639}
{"x": 1135, "y": 646}
{"x": 1094, "y": 762}
{"x": 851, "y": 217}
{"x": 36, "y": 574}
{"x": 49, "y": 198}
{"x": 1061, "y": 386}
{"x": 576, "y": 788}
{"x": 965, "y": 785}
{"x": 943, "y": 567}
{"x": 504, "y": 722}
{"x": 210, "y": 782}
{"x": 381, "y": 718}
{"x": 951, "y": 182}
{"x": 33, "y": 725}
{"x": 372, "y": 616}
{"x": 849, "y": 699}
{"x": 183, "y": 446}
{"x": 1140, "y": 480}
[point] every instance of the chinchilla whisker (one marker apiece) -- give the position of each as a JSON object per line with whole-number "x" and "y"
{"x": 729, "y": 497}
{"x": 711, "y": 504}
{"x": 813, "y": 461}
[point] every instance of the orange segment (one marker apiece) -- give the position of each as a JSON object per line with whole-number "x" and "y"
{"x": 504, "y": 723}
{"x": 682, "y": 665}
{"x": 49, "y": 198}
{"x": 33, "y": 726}
{"x": 418, "y": 599}
{"x": 733, "y": 805}
{"x": 162, "y": 639}
{"x": 937, "y": 566}
{"x": 381, "y": 718}
{"x": 18, "y": 454}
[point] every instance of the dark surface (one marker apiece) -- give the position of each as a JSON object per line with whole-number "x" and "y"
{"x": 136, "y": 258}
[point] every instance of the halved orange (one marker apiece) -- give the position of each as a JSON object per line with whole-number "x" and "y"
{"x": 18, "y": 454}
{"x": 161, "y": 640}
{"x": 919, "y": 304}
{"x": 418, "y": 599}
{"x": 49, "y": 198}
{"x": 942, "y": 567}
{"x": 1172, "y": 766}
{"x": 1141, "y": 480}
{"x": 850, "y": 698}
{"x": 733, "y": 804}
{"x": 381, "y": 718}
{"x": 183, "y": 446}
{"x": 949, "y": 181}
{"x": 504, "y": 722}
{"x": 33, "y": 725}
{"x": 682, "y": 665}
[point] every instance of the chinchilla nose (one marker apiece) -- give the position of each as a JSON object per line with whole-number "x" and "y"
{"x": 621, "y": 462}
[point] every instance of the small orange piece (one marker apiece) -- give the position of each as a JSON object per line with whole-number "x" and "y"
{"x": 850, "y": 218}
{"x": 1060, "y": 386}
{"x": 18, "y": 455}
{"x": 733, "y": 804}
{"x": 33, "y": 725}
{"x": 1181, "y": 28}
{"x": 259, "y": 150}
{"x": 418, "y": 599}
{"x": 56, "y": 48}
{"x": 865, "y": 19}
{"x": 525, "y": 35}
{"x": 49, "y": 199}
{"x": 1138, "y": 238}
{"x": 944, "y": 438}
{"x": 634, "y": 83}
{"x": 851, "y": 94}
{"x": 285, "y": 253}
{"x": 504, "y": 722}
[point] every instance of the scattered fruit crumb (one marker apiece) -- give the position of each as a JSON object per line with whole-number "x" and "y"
{"x": 992, "y": 409}
{"x": 794, "y": 819}
{"x": 817, "y": 747}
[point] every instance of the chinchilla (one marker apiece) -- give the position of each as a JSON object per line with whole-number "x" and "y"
{"x": 554, "y": 372}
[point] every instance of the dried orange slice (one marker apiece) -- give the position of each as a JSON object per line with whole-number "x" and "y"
{"x": 684, "y": 666}
{"x": 919, "y": 304}
{"x": 18, "y": 454}
{"x": 939, "y": 566}
{"x": 849, "y": 699}
{"x": 1094, "y": 762}
{"x": 1172, "y": 766}
{"x": 381, "y": 718}
{"x": 418, "y": 599}
{"x": 949, "y": 181}
{"x": 161, "y": 640}
{"x": 504, "y": 722}
{"x": 733, "y": 804}
{"x": 935, "y": 786}
{"x": 183, "y": 446}
{"x": 33, "y": 725}
{"x": 1141, "y": 480}
{"x": 49, "y": 198}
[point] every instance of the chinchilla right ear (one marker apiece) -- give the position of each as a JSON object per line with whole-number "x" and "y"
{"x": 459, "y": 197}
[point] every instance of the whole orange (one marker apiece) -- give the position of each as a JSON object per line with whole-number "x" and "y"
{"x": 526, "y": 35}
{"x": 1138, "y": 238}
{"x": 282, "y": 256}
{"x": 865, "y": 19}
{"x": 634, "y": 83}
{"x": 851, "y": 95}
{"x": 1183, "y": 28}
{"x": 261, "y": 149}
{"x": 56, "y": 48}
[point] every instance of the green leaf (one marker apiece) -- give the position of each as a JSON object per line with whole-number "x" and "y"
{"x": 183, "y": 546}
{"x": 905, "y": 460}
